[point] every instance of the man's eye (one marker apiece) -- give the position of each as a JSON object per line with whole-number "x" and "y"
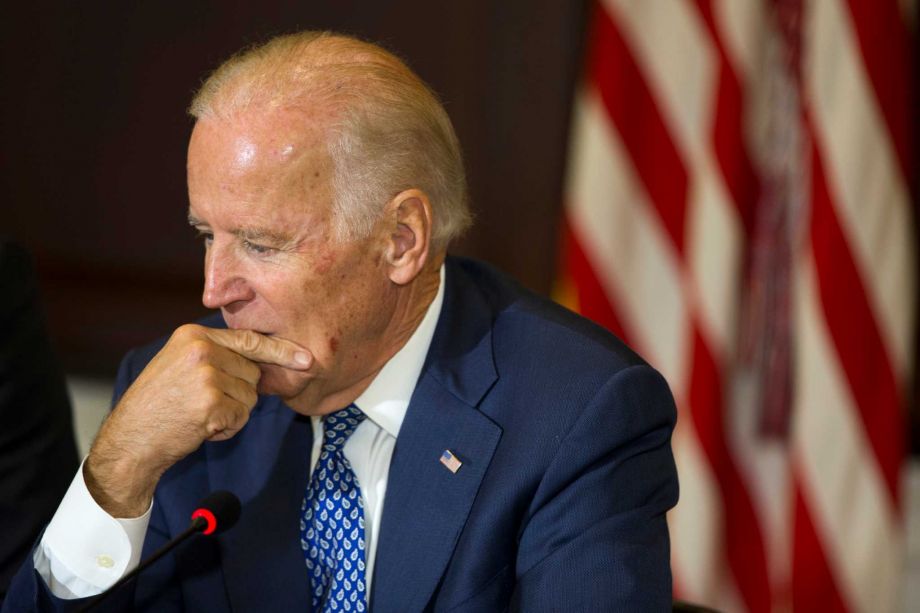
{"x": 257, "y": 249}
{"x": 206, "y": 237}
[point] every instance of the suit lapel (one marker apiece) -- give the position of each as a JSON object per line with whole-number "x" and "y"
{"x": 426, "y": 504}
{"x": 268, "y": 468}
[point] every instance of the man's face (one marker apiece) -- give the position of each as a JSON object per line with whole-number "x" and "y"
{"x": 260, "y": 194}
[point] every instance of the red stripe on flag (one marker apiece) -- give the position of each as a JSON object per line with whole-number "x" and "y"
{"x": 743, "y": 540}
{"x": 593, "y": 301}
{"x": 635, "y": 113}
{"x": 884, "y": 43}
{"x": 813, "y": 585}
{"x": 728, "y": 131}
{"x": 855, "y": 332}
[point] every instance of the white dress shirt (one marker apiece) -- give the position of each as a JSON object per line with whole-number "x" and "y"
{"x": 85, "y": 550}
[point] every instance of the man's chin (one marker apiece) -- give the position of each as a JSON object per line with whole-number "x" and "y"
{"x": 281, "y": 382}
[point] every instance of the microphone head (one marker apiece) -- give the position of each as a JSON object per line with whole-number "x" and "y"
{"x": 220, "y": 510}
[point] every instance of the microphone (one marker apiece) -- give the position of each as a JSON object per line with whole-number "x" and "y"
{"x": 217, "y": 512}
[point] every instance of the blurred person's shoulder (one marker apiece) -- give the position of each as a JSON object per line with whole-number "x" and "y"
{"x": 18, "y": 285}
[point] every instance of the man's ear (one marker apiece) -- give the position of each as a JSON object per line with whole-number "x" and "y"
{"x": 409, "y": 219}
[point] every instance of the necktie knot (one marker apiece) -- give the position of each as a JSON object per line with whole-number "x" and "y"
{"x": 338, "y": 426}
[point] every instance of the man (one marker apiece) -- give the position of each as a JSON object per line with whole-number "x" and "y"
{"x": 428, "y": 435}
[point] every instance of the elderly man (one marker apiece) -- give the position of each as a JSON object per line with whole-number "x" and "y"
{"x": 426, "y": 435}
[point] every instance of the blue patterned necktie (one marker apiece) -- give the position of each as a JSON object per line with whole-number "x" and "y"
{"x": 332, "y": 525}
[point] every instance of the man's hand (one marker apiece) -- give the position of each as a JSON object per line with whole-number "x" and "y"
{"x": 200, "y": 386}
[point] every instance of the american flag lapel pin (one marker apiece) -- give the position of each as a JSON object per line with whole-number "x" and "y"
{"x": 449, "y": 460}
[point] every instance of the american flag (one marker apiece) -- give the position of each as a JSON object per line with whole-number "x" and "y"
{"x": 451, "y": 461}
{"x": 738, "y": 210}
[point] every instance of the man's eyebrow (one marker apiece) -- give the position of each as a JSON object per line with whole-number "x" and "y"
{"x": 279, "y": 240}
{"x": 274, "y": 238}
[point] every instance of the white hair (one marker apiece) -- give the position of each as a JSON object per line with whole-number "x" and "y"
{"x": 388, "y": 131}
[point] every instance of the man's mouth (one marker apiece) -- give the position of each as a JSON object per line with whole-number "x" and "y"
{"x": 235, "y": 326}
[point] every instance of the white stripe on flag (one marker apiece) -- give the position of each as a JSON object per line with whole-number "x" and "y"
{"x": 845, "y": 490}
{"x": 863, "y": 175}
{"x": 617, "y": 227}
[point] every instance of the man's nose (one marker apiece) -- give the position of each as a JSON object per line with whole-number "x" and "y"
{"x": 224, "y": 282}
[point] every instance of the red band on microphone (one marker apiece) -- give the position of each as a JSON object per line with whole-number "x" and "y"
{"x": 208, "y": 517}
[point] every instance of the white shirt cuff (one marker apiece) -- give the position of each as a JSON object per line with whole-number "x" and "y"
{"x": 84, "y": 549}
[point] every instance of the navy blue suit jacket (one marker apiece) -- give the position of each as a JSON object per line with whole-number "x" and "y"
{"x": 564, "y": 434}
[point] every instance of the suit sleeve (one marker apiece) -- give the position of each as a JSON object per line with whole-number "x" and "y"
{"x": 596, "y": 537}
{"x": 155, "y": 589}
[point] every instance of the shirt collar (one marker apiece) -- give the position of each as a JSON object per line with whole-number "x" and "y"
{"x": 386, "y": 399}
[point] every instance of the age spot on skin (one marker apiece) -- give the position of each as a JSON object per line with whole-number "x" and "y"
{"x": 324, "y": 261}
{"x": 333, "y": 344}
